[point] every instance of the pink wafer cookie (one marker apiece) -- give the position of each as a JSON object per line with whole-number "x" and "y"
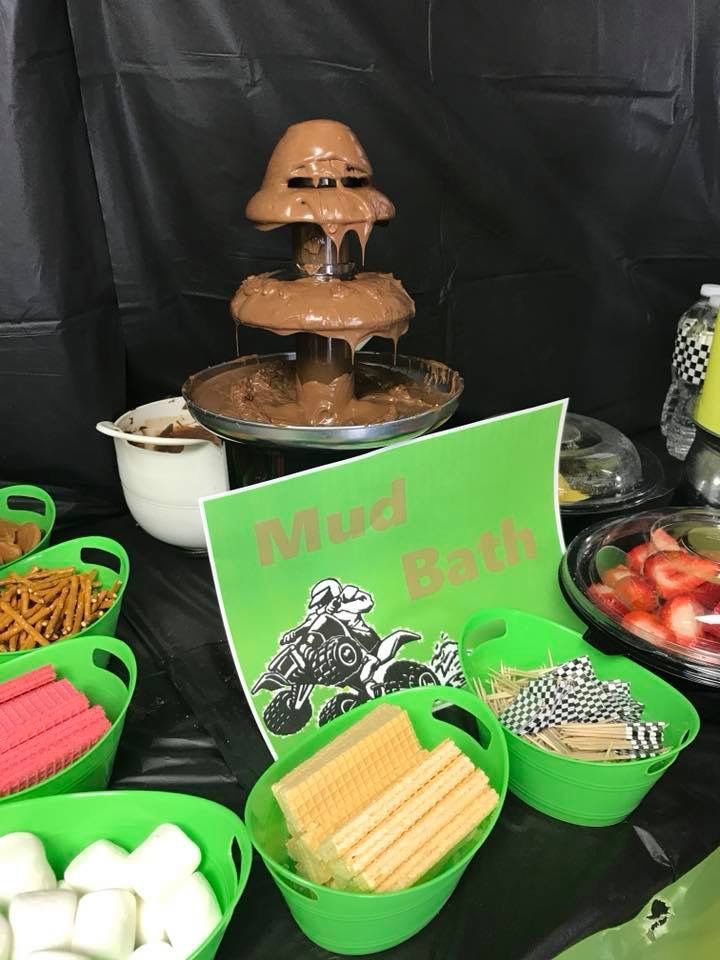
{"x": 28, "y": 681}
{"x": 52, "y": 751}
{"x": 31, "y": 714}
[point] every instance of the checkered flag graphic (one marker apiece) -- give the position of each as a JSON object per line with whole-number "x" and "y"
{"x": 690, "y": 356}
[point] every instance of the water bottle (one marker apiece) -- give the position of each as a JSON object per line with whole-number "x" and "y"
{"x": 700, "y": 485}
{"x": 692, "y": 347}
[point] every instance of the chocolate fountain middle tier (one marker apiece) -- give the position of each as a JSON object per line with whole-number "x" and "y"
{"x": 368, "y": 305}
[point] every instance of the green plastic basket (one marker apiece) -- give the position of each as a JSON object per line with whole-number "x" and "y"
{"x": 590, "y": 793}
{"x": 74, "y": 553}
{"x": 44, "y": 517}
{"x": 68, "y": 824}
{"x": 87, "y": 663}
{"x": 361, "y": 923}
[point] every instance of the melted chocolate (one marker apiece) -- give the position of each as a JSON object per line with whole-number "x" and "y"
{"x": 369, "y": 305}
{"x": 319, "y": 174}
{"x": 321, "y": 152}
{"x": 268, "y": 393}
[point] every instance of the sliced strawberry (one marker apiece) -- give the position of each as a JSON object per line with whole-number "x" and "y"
{"x": 675, "y": 573}
{"x": 712, "y": 630}
{"x": 680, "y": 615}
{"x": 637, "y": 593}
{"x": 613, "y": 576}
{"x": 708, "y": 594}
{"x": 638, "y": 555}
{"x": 663, "y": 541}
{"x": 607, "y": 600}
{"x": 647, "y": 626}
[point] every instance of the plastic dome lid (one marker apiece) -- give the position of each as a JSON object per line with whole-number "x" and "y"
{"x": 600, "y": 468}
{"x": 652, "y": 581}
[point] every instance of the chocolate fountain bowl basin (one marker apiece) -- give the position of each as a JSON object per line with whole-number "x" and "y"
{"x": 429, "y": 373}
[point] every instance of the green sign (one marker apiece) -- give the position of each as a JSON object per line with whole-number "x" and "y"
{"x": 355, "y": 579}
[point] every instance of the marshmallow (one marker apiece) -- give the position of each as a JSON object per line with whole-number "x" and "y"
{"x": 101, "y": 866}
{"x": 5, "y": 938}
{"x": 191, "y": 914}
{"x": 42, "y": 920}
{"x": 23, "y": 866}
{"x": 156, "y": 951}
{"x": 105, "y": 925}
{"x": 162, "y": 862}
{"x": 150, "y": 922}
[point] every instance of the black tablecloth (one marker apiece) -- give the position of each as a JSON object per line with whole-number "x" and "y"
{"x": 536, "y": 886}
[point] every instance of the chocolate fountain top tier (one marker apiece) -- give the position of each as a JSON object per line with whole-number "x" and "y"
{"x": 319, "y": 173}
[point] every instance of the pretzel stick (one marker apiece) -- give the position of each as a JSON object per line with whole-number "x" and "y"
{"x": 39, "y": 573}
{"x": 58, "y": 608}
{"x": 70, "y": 606}
{"x": 87, "y": 593}
{"x": 39, "y": 586}
{"x": 32, "y": 618}
{"x": 50, "y": 593}
{"x": 37, "y": 637}
{"x": 79, "y": 607}
{"x": 98, "y": 598}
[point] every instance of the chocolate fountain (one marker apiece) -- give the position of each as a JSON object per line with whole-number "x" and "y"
{"x": 330, "y": 394}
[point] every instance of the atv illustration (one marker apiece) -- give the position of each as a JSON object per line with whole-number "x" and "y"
{"x": 335, "y": 647}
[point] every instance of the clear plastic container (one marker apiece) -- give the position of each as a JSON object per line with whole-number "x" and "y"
{"x": 596, "y": 461}
{"x": 601, "y": 471}
{"x": 652, "y": 581}
{"x": 692, "y": 346}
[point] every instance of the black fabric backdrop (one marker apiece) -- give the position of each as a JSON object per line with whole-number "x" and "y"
{"x": 554, "y": 166}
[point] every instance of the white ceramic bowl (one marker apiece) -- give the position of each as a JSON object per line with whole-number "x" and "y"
{"x": 162, "y": 489}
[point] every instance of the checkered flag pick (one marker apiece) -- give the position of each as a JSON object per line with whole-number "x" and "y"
{"x": 570, "y": 693}
{"x": 561, "y": 695}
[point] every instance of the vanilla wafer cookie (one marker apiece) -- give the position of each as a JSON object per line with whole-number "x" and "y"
{"x": 393, "y": 830}
{"x": 441, "y": 812}
{"x": 389, "y": 800}
{"x": 440, "y": 843}
{"x": 338, "y": 789}
{"x": 308, "y": 866}
{"x": 372, "y": 720}
{"x": 308, "y": 852}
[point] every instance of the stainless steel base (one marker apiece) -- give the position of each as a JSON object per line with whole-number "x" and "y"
{"x": 365, "y": 437}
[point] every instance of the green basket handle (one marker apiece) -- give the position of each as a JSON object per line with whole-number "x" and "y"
{"x": 297, "y": 884}
{"x": 503, "y": 616}
{"x": 30, "y": 493}
{"x": 109, "y": 546}
{"x": 111, "y": 645}
{"x": 661, "y": 763}
{"x": 470, "y": 702}
{"x": 240, "y": 837}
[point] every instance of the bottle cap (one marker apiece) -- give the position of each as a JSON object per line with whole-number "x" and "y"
{"x": 712, "y": 291}
{"x": 707, "y": 410}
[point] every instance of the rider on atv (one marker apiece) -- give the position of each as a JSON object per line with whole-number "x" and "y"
{"x": 335, "y": 647}
{"x": 347, "y": 604}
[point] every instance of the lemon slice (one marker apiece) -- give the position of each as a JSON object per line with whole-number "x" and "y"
{"x": 567, "y": 494}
